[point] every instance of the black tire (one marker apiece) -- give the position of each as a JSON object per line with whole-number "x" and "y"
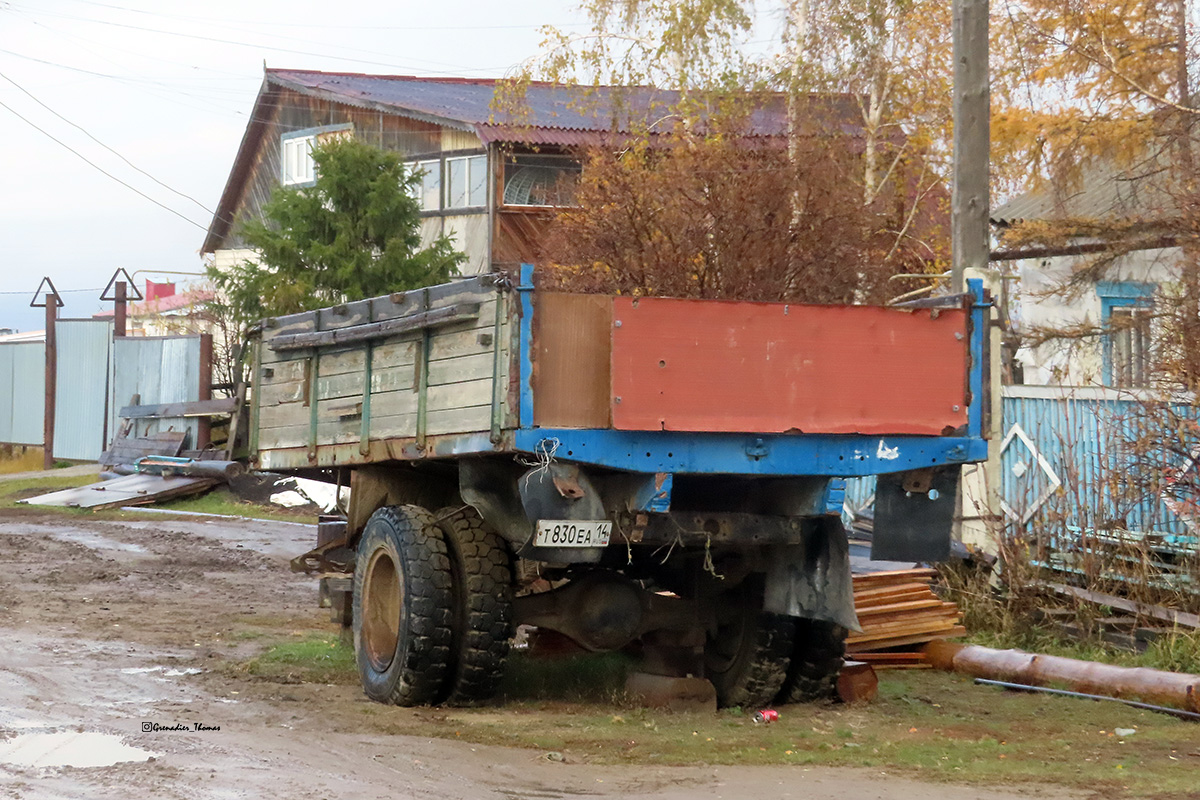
{"x": 402, "y": 607}
{"x": 820, "y": 651}
{"x": 481, "y": 607}
{"x": 748, "y": 654}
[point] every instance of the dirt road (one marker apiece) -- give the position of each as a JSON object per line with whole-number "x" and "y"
{"x": 113, "y": 627}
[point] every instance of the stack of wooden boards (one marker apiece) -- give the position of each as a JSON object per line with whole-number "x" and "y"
{"x": 899, "y": 614}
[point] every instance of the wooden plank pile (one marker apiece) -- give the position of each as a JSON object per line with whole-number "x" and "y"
{"x": 899, "y": 614}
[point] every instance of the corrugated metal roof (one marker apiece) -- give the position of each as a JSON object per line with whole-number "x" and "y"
{"x": 555, "y": 110}
{"x": 1105, "y": 191}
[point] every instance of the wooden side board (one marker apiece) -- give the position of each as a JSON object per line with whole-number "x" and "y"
{"x": 434, "y": 380}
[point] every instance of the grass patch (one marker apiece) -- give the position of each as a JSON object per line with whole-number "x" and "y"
{"x": 315, "y": 658}
{"x": 13, "y": 491}
{"x": 929, "y": 725}
{"x": 223, "y": 501}
{"x": 1009, "y": 617}
{"x": 218, "y": 501}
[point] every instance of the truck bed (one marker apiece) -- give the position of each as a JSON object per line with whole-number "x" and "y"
{"x": 644, "y": 384}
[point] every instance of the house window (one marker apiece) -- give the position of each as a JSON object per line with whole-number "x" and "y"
{"x": 540, "y": 181}
{"x": 466, "y": 182}
{"x": 295, "y": 157}
{"x": 298, "y": 167}
{"x": 1126, "y": 312}
{"x": 428, "y": 192}
{"x": 1130, "y": 343}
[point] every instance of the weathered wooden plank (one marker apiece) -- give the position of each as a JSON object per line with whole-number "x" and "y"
{"x": 393, "y": 377}
{"x": 462, "y": 369}
{"x": 284, "y": 371}
{"x": 344, "y": 316}
{"x": 475, "y": 419}
{"x": 452, "y": 344}
{"x": 273, "y": 394}
{"x": 198, "y": 408}
{"x": 458, "y": 336}
{"x": 127, "y": 450}
{"x": 460, "y": 395}
{"x": 462, "y": 312}
{"x": 446, "y": 397}
{"x": 283, "y": 415}
{"x": 474, "y": 289}
{"x": 292, "y": 323}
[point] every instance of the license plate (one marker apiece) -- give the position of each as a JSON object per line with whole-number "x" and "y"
{"x": 572, "y": 533}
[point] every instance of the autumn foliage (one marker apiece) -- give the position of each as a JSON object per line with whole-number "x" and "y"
{"x": 736, "y": 217}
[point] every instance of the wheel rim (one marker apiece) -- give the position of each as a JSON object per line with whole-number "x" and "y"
{"x": 381, "y": 611}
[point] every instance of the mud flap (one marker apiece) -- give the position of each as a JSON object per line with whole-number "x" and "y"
{"x": 812, "y": 579}
{"x": 914, "y": 515}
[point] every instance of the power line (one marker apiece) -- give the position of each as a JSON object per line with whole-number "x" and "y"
{"x": 279, "y": 24}
{"x": 106, "y": 147}
{"x": 61, "y": 291}
{"x": 219, "y": 40}
{"x": 97, "y": 167}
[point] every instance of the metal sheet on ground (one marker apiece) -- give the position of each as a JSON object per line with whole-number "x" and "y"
{"x": 130, "y": 490}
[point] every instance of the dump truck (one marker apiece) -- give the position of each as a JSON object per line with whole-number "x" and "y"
{"x": 662, "y": 476}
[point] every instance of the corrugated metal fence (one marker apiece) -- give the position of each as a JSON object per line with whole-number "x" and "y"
{"x": 1081, "y": 459}
{"x": 96, "y": 376}
{"x": 22, "y": 388}
{"x": 156, "y": 370}
{"x": 1086, "y": 458}
{"x": 81, "y": 407}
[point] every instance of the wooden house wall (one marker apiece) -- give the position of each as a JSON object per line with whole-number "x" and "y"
{"x": 293, "y": 111}
{"x": 501, "y": 240}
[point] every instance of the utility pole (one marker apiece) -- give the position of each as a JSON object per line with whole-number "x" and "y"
{"x": 969, "y": 232}
{"x": 52, "y": 303}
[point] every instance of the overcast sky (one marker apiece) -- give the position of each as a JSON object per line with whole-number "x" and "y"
{"x": 169, "y": 86}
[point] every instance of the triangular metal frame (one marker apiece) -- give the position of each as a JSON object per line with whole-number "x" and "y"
{"x": 129, "y": 286}
{"x": 57, "y": 299}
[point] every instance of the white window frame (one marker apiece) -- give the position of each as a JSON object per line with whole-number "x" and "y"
{"x": 471, "y": 163}
{"x": 1132, "y": 346}
{"x": 296, "y": 166}
{"x": 424, "y": 167}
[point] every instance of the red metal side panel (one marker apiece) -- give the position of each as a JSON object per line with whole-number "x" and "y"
{"x": 695, "y": 365}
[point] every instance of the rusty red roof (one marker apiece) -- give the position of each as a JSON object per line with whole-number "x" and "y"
{"x": 551, "y": 113}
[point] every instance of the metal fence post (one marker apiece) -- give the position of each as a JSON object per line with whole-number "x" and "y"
{"x": 52, "y": 302}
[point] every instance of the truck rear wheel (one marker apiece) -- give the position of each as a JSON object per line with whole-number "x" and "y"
{"x": 402, "y": 607}
{"x": 746, "y": 657}
{"x": 816, "y": 662}
{"x": 482, "y": 606}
